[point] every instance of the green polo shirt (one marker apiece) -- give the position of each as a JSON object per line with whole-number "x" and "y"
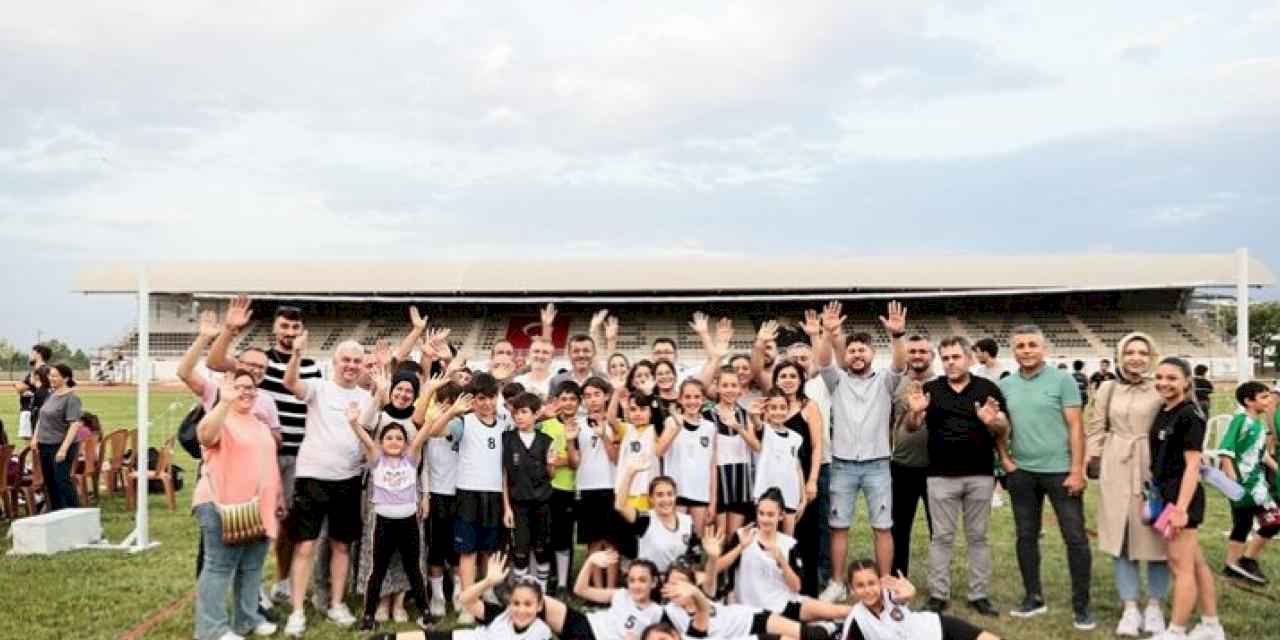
{"x": 564, "y": 478}
{"x": 1041, "y": 439}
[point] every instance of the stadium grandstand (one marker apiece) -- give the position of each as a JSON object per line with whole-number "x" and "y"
{"x": 1084, "y": 303}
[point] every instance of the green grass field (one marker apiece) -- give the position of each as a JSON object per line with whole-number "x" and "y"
{"x": 102, "y": 594}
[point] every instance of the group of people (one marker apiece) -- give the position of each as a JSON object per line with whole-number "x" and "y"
{"x": 736, "y": 482}
{"x": 53, "y": 421}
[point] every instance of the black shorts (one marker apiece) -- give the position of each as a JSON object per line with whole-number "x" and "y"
{"x": 792, "y": 611}
{"x": 440, "y": 522}
{"x": 315, "y": 501}
{"x": 576, "y": 626}
{"x": 760, "y": 623}
{"x": 686, "y": 502}
{"x": 956, "y": 629}
{"x": 597, "y": 521}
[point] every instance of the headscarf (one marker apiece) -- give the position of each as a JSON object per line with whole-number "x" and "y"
{"x": 1122, "y": 375}
{"x": 405, "y": 413}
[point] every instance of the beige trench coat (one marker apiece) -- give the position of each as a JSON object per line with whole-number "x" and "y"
{"x": 1117, "y": 432}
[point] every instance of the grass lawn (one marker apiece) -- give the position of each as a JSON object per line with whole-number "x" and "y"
{"x": 102, "y": 594}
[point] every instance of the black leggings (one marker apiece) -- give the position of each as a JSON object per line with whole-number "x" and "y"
{"x": 391, "y": 535}
{"x": 1242, "y": 524}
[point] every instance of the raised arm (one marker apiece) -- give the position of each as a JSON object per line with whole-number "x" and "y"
{"x": 582, "y": 587}
{"x": 292, "y": 382}
{"x": 895, "y": 323}
{"x": 616, "y": 399}
{"x": 917, "y": 407}
{"x": 496, "y": 573}
{"x": 419, "y": 324}
{"x": 381, "y": 392}
{"x": 746, "y": 536}
{"x": 755, "y": 418}
{"x": 699, "y": 325}
{"x": 594, "y": 330}
{"x": 237, "y": 317}
{"x": 548, "y": 316}
{"x": 671, "y": 428}
{"x": 622, "y": 492}
{"x": 833, "y": 329}
{"x": 571, "y": 442}
{"x": 209, "y": 429}
{"x": 459, "y": 407}
{"x": 610, "y": 336}
{"x": 768, "y": 331}
{"x": 367, "y": 443}
{"x": 209, "y": 330}
{"x": 712, "y": 547}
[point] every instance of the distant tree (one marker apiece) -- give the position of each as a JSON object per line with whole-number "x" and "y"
{"x": 1264, "y": 326}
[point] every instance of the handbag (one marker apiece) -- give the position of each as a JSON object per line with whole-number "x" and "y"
{"x": 241, "y": 521}
{"x": 1152, "y": 503}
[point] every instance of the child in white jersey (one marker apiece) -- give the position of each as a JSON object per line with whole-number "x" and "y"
{"x": 628, "y": 611}
{"x": 779, "y": 463}
{"x": 393, "y": 483}
{"x": 663, "y": 534}
{"x": 880, "y": 612}
{"x": 593, "y": 451}
{"x": 691, "y": 440}
{"x": 639, "y": 444}
{"x": 728, "y": 621}
{"x": 519, "y": 620}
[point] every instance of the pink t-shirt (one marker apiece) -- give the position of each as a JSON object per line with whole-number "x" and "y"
{"x": 244, "y": 459}
{"x": 263, "y": 406}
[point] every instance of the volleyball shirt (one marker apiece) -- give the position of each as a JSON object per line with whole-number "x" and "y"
{"x": 639, "y": 443}
{"x": 691, "y": 458}
{"x": 496, "y": 624}
{"x": 595, "y": 469}
{"x": 728, "y": 621}
{"x": 479, "y": 453}
{"x": 759, "y": 580}
{"x": 623, "y": 619}
{"x": 779, "y": 465}
{"x": 662, "y": 545}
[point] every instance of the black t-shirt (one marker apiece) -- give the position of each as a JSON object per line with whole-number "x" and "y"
{"x": 959, "y": 443}
{"x": 1175, "y": 431}
{"x": 1204, "y": 389}
{"x": 24, "y": 398}
{"x": 526, "y": 467}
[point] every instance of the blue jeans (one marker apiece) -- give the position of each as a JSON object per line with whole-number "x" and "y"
{"x": 1126, "y": 572}
{"x": 238, "y": 567}
{"x": 870, "y": 477}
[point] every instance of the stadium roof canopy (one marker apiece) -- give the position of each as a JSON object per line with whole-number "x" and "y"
{"x": 674, "y": 277}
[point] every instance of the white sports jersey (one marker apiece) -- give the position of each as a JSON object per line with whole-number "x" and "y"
{"x": 922, "y": 625}
{"x": 731, "y": 448}
{"x": 639, "y": 444}
{"x": 728, "y": 621}
{"x": 442, "y": 463}
{"x": 779, "y": 465}
{"x": 479, "y": 454}
{"x": 623, "y": 618}
{"x": 499, "y": 627}
{"x": 691, "y": 458}
{"x": 595, "y": 470}
{"x": 660, "y": 544}
{"x": 759, "y": 581}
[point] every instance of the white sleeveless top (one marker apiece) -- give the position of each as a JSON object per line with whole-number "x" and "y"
{"x": 660, "y": 544}
{"x": 691, "y": 460}
{"x": 913, "y": 626}
{"x": 759, "y": 580}
{"x": 733, "y": 448}
{"x": 779, "y": 465}
{"x": 623, "y": 618}
{"x": 595, "y": 470}
{"x": 480, "y": 455}
{"x": 639, "y": 445}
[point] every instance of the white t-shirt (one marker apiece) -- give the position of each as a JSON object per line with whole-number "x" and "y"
{"x": 816, "y": 390}
{"x": 496, "y": 625}
{"x": 623, "y": 618}
{"x": 691, "y": 459}
{"x": 779, "y": 465}
{"x": 728, "y": 621}
{"x": 595, "y": 470}
{"x": 479, "y": 454}
{"x": 539, "y": 388}
{"x": 759, "y": 581}
{"x": 442, "y": 463}
{"x": 658, "y": 543}
{"x": 330, "y": 450}
{"x": 921, "y": 625}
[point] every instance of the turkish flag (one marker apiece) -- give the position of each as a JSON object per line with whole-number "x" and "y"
{"x": 522, "y": 329}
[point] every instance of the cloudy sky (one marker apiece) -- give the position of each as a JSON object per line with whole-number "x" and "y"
{"x": 218, "y": 130}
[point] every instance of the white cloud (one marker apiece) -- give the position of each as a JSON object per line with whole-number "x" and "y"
{"x": 1148, "y": 45}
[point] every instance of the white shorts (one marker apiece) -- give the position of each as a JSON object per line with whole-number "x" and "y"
{"x": 25, "y": 428}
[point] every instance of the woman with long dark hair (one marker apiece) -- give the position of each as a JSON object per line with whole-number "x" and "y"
{"x": 55, "y": 437}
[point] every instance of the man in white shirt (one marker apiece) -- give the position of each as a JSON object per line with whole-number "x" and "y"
{"x": 328, "y": 476}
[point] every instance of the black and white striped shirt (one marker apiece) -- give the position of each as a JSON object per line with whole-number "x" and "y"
{"x": 293, "y": 412}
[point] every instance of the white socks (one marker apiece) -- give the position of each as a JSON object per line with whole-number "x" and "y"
{"x": 562, "y": 568}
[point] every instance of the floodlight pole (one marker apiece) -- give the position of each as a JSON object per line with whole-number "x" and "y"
{"x": 1244, "y": 360}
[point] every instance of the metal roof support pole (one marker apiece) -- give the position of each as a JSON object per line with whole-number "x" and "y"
{"x": 1244, "y": 359}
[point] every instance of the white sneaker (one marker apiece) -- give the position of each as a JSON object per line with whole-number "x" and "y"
{"x": 835, "y": 592}
{"x": 1130, "y": 623}
{"x": 1153, "y": 619}
{"x": 264, "y": 629}
{"x": 996, "y": 501}
{"x": 296, "y": 625}
{"x": 437, "y": 607}
{"x": 341, "y": 616}
{"x": 1204, "y": 631}
{"x": 264, "y": 600}
{"x": 280, "y": 591}
{"x": 230, "y": 636}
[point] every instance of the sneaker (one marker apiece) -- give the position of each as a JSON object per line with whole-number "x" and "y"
{"x": 1252, "y": 568}
{"x": 399, "y": 615}
{"x": 835, "y": 592}
{"x": 1031, "y": 606}
{"x": 827, "y": 627}
{"x": 230, "y": 636}
{"x": 936, "y": 605}
{"x": 264, "y": 629}
{"x": 1084, "y": 620}
{"x": 1130, "y": 623}
{"x": 1237, "y": 572}
{"x": 264, "y": 599}
{"x": 1153, "y": 619}
{"x": 437, "y": 608}
{"x": 368, "y": 623}
{"x": 280, "y": 592}
{"x": 296, "y": 625}
{"x": 1204, "y": 631}
{"x": 983, "y": 606}
{"x": 1168, "y": 635}
{"x": 341, "y": 616}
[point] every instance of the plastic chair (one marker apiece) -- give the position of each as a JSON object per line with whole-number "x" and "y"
{"x": 85, "y": 473}
{"x": 162, "y": 473}
{"x": 8, "y": 497}
{"x": 1213, "y": 432}
{"x": 111, "y": 462}
{"x": 29, "y": 487}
